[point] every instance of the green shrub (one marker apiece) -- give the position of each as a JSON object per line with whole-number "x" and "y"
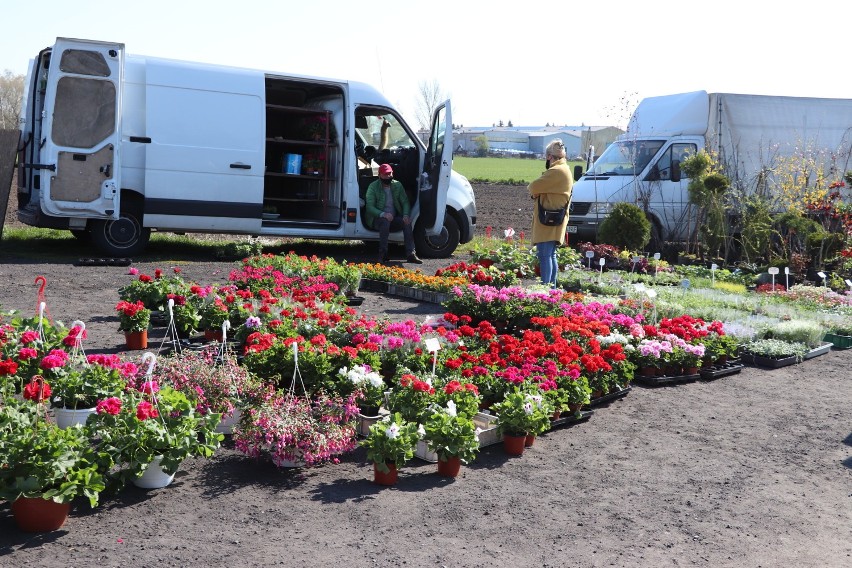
{"x": 626, "y": 227}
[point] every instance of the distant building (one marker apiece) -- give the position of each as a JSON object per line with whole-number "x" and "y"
{"x": 530, "y": 141}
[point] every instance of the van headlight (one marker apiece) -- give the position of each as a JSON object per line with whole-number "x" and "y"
{"x": 600, "y": 208}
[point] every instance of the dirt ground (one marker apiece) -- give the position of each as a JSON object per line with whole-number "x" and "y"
{"x": 753, "y": 469}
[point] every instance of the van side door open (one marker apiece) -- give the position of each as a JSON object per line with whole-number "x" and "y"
{"x": 81, "y": 137}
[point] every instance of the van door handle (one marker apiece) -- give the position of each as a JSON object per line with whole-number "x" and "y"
{"x": 239, "y": 166}
{"x": 142, "y": 139}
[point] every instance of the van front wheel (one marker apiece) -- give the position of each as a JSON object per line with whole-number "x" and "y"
{"x": 124, "y": 236}
{"x": 441, "y": 245}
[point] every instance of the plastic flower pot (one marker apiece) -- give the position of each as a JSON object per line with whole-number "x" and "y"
{"x": 450, "y": 467}
{"x": 514, "y": 445}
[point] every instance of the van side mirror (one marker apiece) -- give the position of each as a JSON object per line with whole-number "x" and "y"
{"x": 578, "y": 172}
{"x": 675, "y": 170}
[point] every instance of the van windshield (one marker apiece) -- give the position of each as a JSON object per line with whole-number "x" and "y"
{"x": 627, "y": 158}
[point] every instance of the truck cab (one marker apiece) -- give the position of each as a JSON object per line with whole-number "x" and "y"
{"x": 642, "y": 171}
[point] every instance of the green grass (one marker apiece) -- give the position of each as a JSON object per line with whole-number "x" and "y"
{"x": 501, "y": 170}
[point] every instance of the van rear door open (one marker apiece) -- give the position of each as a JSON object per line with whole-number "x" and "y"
{"x": 81, "y": 136}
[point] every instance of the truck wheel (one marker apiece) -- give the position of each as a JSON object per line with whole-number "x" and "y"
{"x": 438, "y": 246}
{"x": 122, "y": 237}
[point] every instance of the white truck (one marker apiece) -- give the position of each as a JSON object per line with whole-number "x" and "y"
{"x": 114, "y": 145}
{"x": 747, "y": 133}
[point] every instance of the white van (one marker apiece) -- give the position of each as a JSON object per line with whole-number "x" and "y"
{"x": 115, "y": 145}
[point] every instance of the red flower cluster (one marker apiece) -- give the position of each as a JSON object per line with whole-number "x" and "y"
{"x": 455, "y": 386}
{"x": 416, "y": 384}
{"x": 129, "y": 309}
{"x": 37, "y": 389}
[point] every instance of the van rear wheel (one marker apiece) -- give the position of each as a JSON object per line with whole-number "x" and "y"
{"x": 124, "y": 236}
{"x": 441, "y": 245}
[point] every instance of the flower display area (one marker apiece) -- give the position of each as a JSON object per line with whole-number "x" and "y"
{"x": 286, "y": 330}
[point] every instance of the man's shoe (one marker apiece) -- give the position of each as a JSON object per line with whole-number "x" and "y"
{"x": 414, "y": 259}
{"x": 383, "y": 258}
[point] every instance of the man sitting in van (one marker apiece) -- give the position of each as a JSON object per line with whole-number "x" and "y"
{"x": 387, "y": 208}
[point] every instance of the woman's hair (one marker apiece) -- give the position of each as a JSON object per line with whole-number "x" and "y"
{"x": 556, "y": 149}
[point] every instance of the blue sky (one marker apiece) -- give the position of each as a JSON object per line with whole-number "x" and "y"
{"x": 533, "y": 62}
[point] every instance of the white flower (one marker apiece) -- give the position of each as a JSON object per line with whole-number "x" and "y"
{"x": 528, "y": 408}
{"x": 421, "y": 431}
{"x": 375, "y": 380}
{"x": 392, "y": 432}
{"x": 451, "y": 408}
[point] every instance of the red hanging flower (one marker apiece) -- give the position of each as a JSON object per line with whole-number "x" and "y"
{"x": 37, "y": 389}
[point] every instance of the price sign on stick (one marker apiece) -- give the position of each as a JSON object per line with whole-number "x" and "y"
{"x": 432, "y": 346}
{"x": 590, "y": 254}
{"x": 772, "y": 270}
{"x": 822, "y": 275}
{"x": 713, "y": 268}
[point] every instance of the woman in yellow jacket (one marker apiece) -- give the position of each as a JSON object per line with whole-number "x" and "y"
{"x": 554, "y": 189}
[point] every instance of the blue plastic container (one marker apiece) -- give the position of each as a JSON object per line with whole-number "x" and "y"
{"x": 292, "y": 163}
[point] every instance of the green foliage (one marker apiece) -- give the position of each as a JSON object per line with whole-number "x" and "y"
{"x": 510, "y": 171}
{"x": 39, "y": 459}
{"x": 235, "y": 250}
{"x": 391, "y": 440}
{"x": 139, "y": 426}
{"x": 756, "y": 228}
{"x": 522, "y": 412}
{"x": 449, "y": 434}
{"x": 626, "y": 226}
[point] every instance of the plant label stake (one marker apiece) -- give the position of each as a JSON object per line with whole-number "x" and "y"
{"x": 589, "y": 255}
{"x": 651, "y": 295}
{"x": 822, "y": 275}
{"x": 432, "y": 346}
{"x": 656, "y": 263}
{"x": 773, "y": 270}
{"x": 41, "y": 307}
{"x": 787, "y": 276}
{"x": 713, "y": 268}
{"x": 849, "y": 283}
{"x": 600, "y": 274}
{"x": 635, "y": 261}
{"x": 685, "y": 285}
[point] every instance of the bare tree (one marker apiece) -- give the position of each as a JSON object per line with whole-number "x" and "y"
{"x": 429, "y": 97}
{"x": 11, "y": 91}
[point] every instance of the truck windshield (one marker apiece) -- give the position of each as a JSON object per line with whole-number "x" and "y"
{"x": 627, "y": 158}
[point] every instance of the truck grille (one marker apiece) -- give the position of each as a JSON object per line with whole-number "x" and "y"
{"x": 579, "y": 208}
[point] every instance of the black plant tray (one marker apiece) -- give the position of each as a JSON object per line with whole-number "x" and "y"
{"x": 581, "y": 416}
{"x": 354, "y": 300}
{"x": 609, "y": 397}
{"x": 371, "y": 285}
{"x": 104, "y": 262}
{"x": 719, "y": 371}
{"x": 767, "y": 362}
{"x": 665, "y": 380}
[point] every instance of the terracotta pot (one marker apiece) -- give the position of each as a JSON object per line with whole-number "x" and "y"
{"x": 213, "y": 335}
{"x": 136, "y": 340}
{"x": 514, "y": 445}
{"x": 449, "y": 468}
{"x": 690, "y": 370}
{"x": 557, "y": 414}
{"x": 34, "y": 514}
{"x": 529, "y": 441}
{"x": 648, "y": 371}
{"x": 574, "y": 408}
{"x": 382, "y": 478}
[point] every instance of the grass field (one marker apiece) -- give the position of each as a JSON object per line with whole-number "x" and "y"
{"x": 501, "y": 170}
